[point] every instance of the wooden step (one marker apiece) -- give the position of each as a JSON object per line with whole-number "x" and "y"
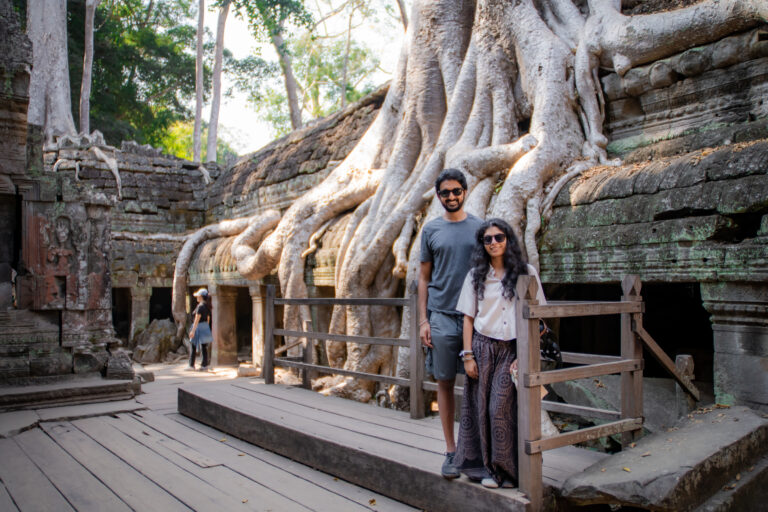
{"x": 378, "y": 457}
{"x": 377, "y": 448}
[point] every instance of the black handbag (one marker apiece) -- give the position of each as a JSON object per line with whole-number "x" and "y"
{"x": 548, "y": 346}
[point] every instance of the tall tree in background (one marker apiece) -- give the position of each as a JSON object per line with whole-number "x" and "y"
{"x": 199, "y": 81}
{"x": 218, "y": 57}
{"x": 268, "y": 19}
{"x": 85, "y": 86}
{"x": 49, "y": 90}
{"x": 143, "y": 76}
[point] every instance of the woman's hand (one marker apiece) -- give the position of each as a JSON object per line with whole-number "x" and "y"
{"x": 191, "y": 334}
{"x": 513, "y": 367}
{"x": 470, "y": 366}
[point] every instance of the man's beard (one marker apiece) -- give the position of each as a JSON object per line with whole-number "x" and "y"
{"x": 453, "y": 209}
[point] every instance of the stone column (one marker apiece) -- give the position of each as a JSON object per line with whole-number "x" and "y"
{"x": 257, "y": 325}
{"x": 224, "y": 351}
{"x": 740, "y": 326}
{"x": 139, "y": 309}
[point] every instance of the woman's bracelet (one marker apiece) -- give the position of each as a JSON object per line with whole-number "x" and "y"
{"x": 423, "y": 322}
{"x": 468, "y": 357}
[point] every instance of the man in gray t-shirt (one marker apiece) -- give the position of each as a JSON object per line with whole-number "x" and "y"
{"x": 446, "y": 248}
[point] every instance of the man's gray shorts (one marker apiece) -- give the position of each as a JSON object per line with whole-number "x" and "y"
{"x": 443, "y": 359}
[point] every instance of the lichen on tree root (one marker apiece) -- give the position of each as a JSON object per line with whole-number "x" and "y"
{"x": 507, "y": 91}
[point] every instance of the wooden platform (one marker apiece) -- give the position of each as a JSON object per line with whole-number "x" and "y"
{"x": 379, "y": 449}
{"x": 156, "y": 459}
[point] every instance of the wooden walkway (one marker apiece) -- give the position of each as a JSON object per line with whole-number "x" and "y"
{"x": 380, "y": 449}
{"x": 156, "y": 459}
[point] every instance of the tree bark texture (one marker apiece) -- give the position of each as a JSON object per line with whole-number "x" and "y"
{"x": 470, "y": 75}
{"x": 198, "y": 128}
{"x": 213, "y": 125}
{"x": 49, "y": 92}
{"x": 286, "y": 64}
{"x": 85, "y": 86}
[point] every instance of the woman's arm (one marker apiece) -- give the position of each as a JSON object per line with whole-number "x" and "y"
{"x": 194, "y": 326}
{"x": 470, "y": 365}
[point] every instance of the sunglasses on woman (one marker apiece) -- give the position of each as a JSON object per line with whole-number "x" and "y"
{"x": 499, "y": 237}
{"x": 444, "y": 193}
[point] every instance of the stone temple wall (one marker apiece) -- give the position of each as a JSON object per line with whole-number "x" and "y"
{"x": 689, "y": 204}
{"x": 55, "y": 287}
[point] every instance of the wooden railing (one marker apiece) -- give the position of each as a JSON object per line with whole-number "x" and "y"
{"x": 308, "y": 367}
{"x": 628, "y": 421}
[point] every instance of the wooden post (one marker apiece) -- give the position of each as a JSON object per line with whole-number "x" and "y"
{"x": 416, "y": 356}
{"x": 268, "y": 366}
{"x": 631, "y": 348}
{"x": 685, "y": 402}
{"x": 309, "y": 352}
{"x": 528, "y": 398}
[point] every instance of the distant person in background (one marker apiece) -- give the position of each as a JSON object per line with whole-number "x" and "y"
{"x": 200, "y": 335}
{"x": 487, "y": 447}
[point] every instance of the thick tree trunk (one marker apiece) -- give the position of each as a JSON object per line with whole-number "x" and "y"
{"x": 345, "y": 70}
{"x": 49, "y": 92}
{"x": 213, "y": 125}
{"x": 286, "y": 63}
{"x": 85, "y": 87}
{"x": 197, "y": 133}
{"x": 403, "y": 13}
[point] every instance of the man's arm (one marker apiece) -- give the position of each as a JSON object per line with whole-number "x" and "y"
{"x": 425, "y": 276}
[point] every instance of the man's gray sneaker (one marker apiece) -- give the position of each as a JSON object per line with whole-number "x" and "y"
{"x": 449, "y": 471}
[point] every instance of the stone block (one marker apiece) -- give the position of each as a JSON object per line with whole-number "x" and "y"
{"x": 49, "y": 362}
{"x": 88, "y": 361}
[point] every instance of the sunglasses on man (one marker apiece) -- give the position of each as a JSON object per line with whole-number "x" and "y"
{"x": 456, "y": 192}
{"x": 499, "y": 237}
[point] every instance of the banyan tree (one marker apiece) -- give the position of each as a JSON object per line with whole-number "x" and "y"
{"x": 508, "y": 91}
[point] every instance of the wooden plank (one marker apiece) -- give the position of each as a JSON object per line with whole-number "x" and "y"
{"x": 268, "y": 365}
{"x": 296, "y": 469}
{"x": 28, "y": 486}
{"x": 348, "y": 423}
{"x": 271, "y": 476}
{"x": 276, "y": 425}
{"x": 528, "y": 398}
{"x": 364, "y": 340}
{"x": 658, "y": 353}
{"x": 578, "y": 358}
{"x": 390, "y": 418}
{"x": 168, "y": 448}
{"x": 343, "y": 302}
{"x": 416, "y": 369}
{"x": 388, "y": 379}
{"x": 631, "y": 383}
{"x": 236, "y": 486}
{"x": 584, "y": 434}
{"x": 80, "y": 488}
{"x": 376, "y": 464}
{"x": 6, "y": 503}
{"x": 136, "y": 490}
{"x": 195, "y": 492}
{"x": 582, "y": 372}
{"x": 570, "y": 309}
{"x": 580, "y": 410}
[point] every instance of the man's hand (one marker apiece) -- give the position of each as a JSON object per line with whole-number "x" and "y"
{"x": 470, "y": 366}
{"x": 425, "y": 333}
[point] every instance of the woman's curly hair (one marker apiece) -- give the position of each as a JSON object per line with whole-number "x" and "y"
{"x": 514, "y": 264}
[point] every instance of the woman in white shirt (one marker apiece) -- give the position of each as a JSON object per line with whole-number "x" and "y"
{"x": 487, "y": 447}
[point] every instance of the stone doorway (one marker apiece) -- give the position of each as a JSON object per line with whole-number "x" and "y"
{"x": 160, "y": 304}
{"x": 675, "y": 317}
{"x": 121, "y": 313}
